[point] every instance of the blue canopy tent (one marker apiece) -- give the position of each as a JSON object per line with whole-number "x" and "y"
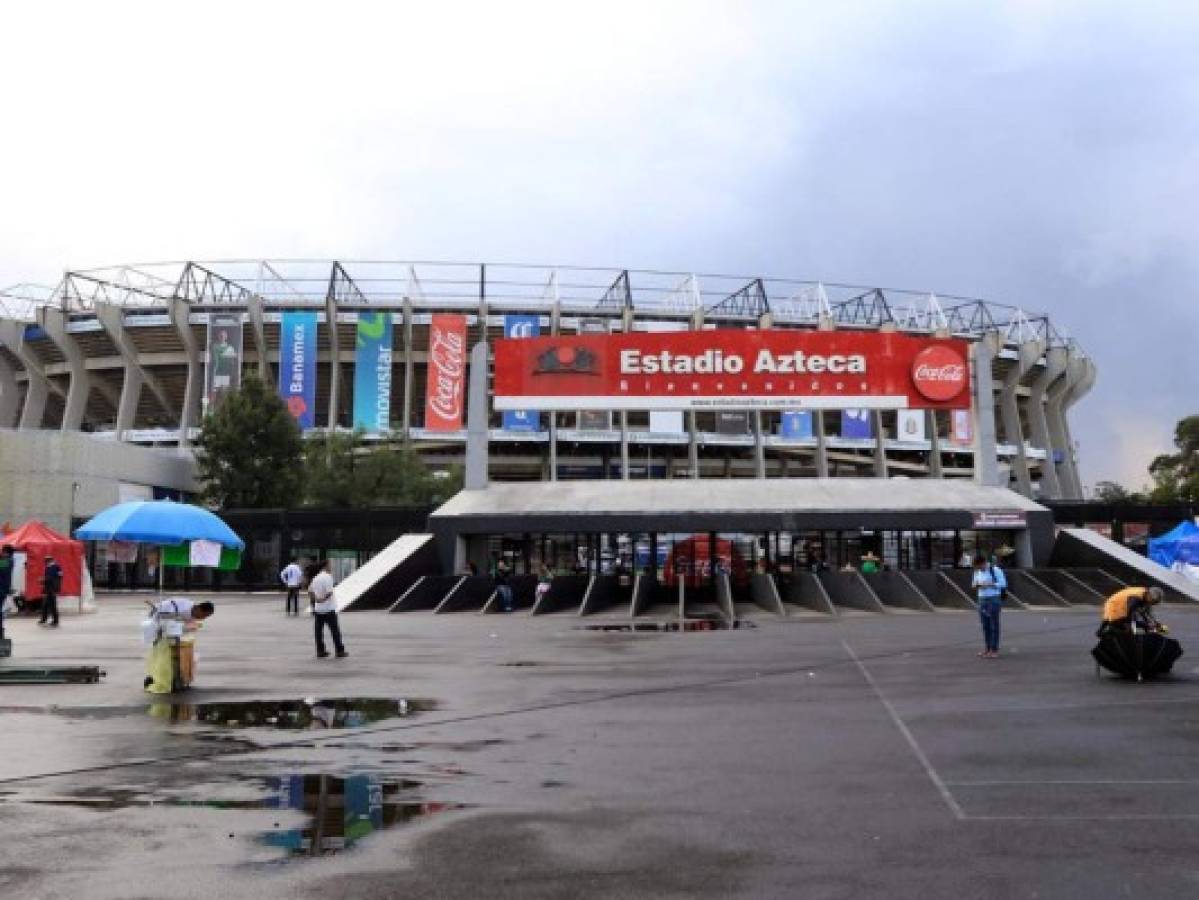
{"x": 1178, "y": 546}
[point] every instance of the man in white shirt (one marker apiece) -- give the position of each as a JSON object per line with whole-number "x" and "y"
{"x": 293, "y": 579}
{"x": 325, "y": 607}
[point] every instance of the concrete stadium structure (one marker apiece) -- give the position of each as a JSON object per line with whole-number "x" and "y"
{"x": 119, "y": 352}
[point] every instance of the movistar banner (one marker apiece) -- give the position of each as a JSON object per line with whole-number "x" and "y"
{"x": 297, "y": 365}
{"x": 521, "y": 327}
{"x": 796, "y": 424}
{"x": 372, "y": 372}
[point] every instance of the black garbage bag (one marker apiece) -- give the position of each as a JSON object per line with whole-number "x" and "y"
{"x": 1141, "y": 655}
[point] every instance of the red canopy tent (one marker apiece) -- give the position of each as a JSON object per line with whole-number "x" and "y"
{"x": 37, "y": 540}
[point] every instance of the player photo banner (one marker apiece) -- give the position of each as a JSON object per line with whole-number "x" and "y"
{"x": 445, "y": 390}
{"x": 222, "y": 371}
{"x": 372, "y": 373}
{"x": 297, "y": 365}
{"x": 732, "y": 369}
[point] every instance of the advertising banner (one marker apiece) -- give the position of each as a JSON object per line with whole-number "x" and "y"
{"x": 857, "y": 423}
{"x": 594, "y": 419}
{"x": 731, "y": 369}
{"x": 517, "y": 327}
{"x": 961, "y": 430}
{"x": 222, "y": 372}
{"x": 666, "y": 422}
{"x": 796, "y": 425}
{"x": 372, "y": 372}
{"x": 732, "y": 423}
{"x": 445, "y": 391}
{"x": 297, "y": 366}
{"x": 910, "y": 425}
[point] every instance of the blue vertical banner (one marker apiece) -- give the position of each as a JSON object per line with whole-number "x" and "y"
{"x": 297, "y": 366}
{"x": 796, "y": 424}
{"x": 372, "y": 372}
{"x": 521, "y": 327}
{"x": 856, "y": 423}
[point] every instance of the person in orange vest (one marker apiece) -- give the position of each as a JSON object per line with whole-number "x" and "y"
{"x": 1129, "y": 607}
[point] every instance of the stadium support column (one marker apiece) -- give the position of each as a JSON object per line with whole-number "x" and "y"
{"x": 765, "y": 323}
{"x": 1055, "y": 365}
{"x": 824, "y": 323}
{"x": 1028, "y": 354}
{"x": 409, "y": 370}
{"x": 876, "y": 416}
{"x": 982, "y": 354}
{"x": 697, "y": 324}
{"x": 189, "y": 416}
{"x": 112, "y": 320}
{"x": 334, "y": 359}
{"x": 478, "y": 411}
{"x": 627, "y": 324}
{"x": 555, "y": 329}
{"x": 8, "y": 394}
{"x": 1080, "y": 375}
{"x": 37, "y": 385}
{"x": 258, "y": 327}
{"x": 54, "y": 323}
{"x": 935, "y": 468}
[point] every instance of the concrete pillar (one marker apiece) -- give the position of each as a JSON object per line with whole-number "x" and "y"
{"x": 189, "y": 417}
{"x": 9, "y": 394}
{"x": 697, "y": 324}
{"x": 258, "y": 327}
{"x": 34, "y": 411}
{"x": 1080, "y": 373}
{"x": 1023, "y": 548}
{"x": 555, "y": 329}
{"x": 112, "y": 320}
{"x": 935, "y": 468}
{"x": 821, "y": 443}
{"x": 131, "y": 392}
{"x": 1028, "y": 354}
{"x": 54, "y": 323}
{"x": 759, "y": 445}
{"x": 37, "y": 385}
{"x": 880, "y": 444}
{"x": 409, "y": 369}
{"x": 478, "y": 411}
{"x": 334, "y": 361}
{"x": 986, "y": 463}
{"x": 1054, "y": 368}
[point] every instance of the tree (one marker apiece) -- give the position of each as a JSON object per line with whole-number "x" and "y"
{"x": 1176, "y": 475}
{"x": 343, "y": 470}
{"x": 250, "y": 452}
{"x": 1111, "y": 492}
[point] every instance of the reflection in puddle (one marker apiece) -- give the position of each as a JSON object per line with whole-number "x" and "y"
{"x": 310, "y": 713}
{"x": 340, "y": 810}
{"x": 685, "y": 625}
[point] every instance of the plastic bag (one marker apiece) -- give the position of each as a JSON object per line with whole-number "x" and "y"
{"x": 149, "y": 631}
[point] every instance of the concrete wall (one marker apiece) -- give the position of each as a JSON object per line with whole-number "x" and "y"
{"x": 39, "y": 471}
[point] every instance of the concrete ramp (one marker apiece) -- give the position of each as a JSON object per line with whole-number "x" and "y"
{"x": 1034, "y": 589}
{"x": 607, "y": 593}
{"x": 1069, "y": 588}
{"x": 804, "y": 589}
{"x": 895, "y": 590}
{"x": 939, "y": 590}
{"x": 848, "y": 590}
{"x": 1081, "y": 547}
{"x": 1097, "y": 579}
{"x": 427, "y": 592}
{"x": 524, "y": 592}
{"x": 963, "y": 578}
{"x": 379, "y": 582}
{"x": 765, "y": 593}
{"x": 566, "y": 593}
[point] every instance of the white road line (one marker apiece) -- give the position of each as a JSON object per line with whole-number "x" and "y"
{"x": 903, "y": 729}
{"x": 1112, "y": 782}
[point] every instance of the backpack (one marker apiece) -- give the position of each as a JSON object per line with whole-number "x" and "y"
{"x": 995, "y": 580}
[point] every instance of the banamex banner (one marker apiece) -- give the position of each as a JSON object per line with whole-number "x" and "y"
{"x": 372, "y": 373}
{"x": 297, "y": 366}
{"x": 732, "y": 369}
{"x": 445, "y": 391}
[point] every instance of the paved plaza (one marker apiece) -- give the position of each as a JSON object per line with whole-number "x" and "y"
{"x": 869, "y": 756}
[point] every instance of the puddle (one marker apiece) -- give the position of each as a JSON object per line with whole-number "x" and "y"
{"x": 293, "y": 715}
{"x": 340, "y": 810}
{"x": 685, "y": 625}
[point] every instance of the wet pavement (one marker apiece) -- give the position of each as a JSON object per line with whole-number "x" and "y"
{"x": 466, "y": 756}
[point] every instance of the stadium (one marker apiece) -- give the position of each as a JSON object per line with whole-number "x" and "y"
{"x": 120, "y": 353}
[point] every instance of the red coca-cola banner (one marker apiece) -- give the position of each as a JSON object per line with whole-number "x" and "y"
{"x": 732, "y": 369}
{"x": 445, "y": 391}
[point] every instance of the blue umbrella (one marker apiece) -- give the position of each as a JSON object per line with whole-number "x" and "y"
{"x": 158, "y": 522}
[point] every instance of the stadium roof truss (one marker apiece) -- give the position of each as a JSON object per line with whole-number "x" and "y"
{"x": 374, "y": 283}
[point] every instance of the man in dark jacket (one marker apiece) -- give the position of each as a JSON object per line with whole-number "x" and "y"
{"x": 51, "y": 583}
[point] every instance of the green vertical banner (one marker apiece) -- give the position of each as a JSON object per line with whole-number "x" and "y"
{"x": 372, "y": 372}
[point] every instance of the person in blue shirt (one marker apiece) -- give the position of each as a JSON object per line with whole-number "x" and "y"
{"x": 989, "y": 585}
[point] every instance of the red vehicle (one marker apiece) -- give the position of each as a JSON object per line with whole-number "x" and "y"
{"x": 691, "y": 558}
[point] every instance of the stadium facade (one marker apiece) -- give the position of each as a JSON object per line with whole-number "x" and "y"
{"x": 133, "y": 354}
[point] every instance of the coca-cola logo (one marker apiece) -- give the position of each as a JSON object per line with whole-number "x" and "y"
{"x": 939, "y": 373}
{"x": 447, "y": 367}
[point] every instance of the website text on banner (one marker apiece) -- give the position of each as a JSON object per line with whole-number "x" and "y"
{"x": 445, "y": 391}
{"x": 372, "y": 373}
{"x": 732, "y": 369}
{"x": 297, "y": 366}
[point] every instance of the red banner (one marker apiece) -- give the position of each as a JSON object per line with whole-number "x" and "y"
{"x": 445, "y": 390}
{"x": 732, "y": 369}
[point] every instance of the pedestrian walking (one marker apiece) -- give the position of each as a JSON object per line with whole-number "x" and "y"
{"x": 544, "y": 579}
{"x": 6, "y": 566}
{"x": 503, "y": 589}
{"x": 51, "y": 584}
{"x": 320, "y": 591}
{"x": 292, "y": 577}
{"x": 990, "y": 586}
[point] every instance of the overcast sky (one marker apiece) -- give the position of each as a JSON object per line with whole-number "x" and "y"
{"x": 1038, "y": 154}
